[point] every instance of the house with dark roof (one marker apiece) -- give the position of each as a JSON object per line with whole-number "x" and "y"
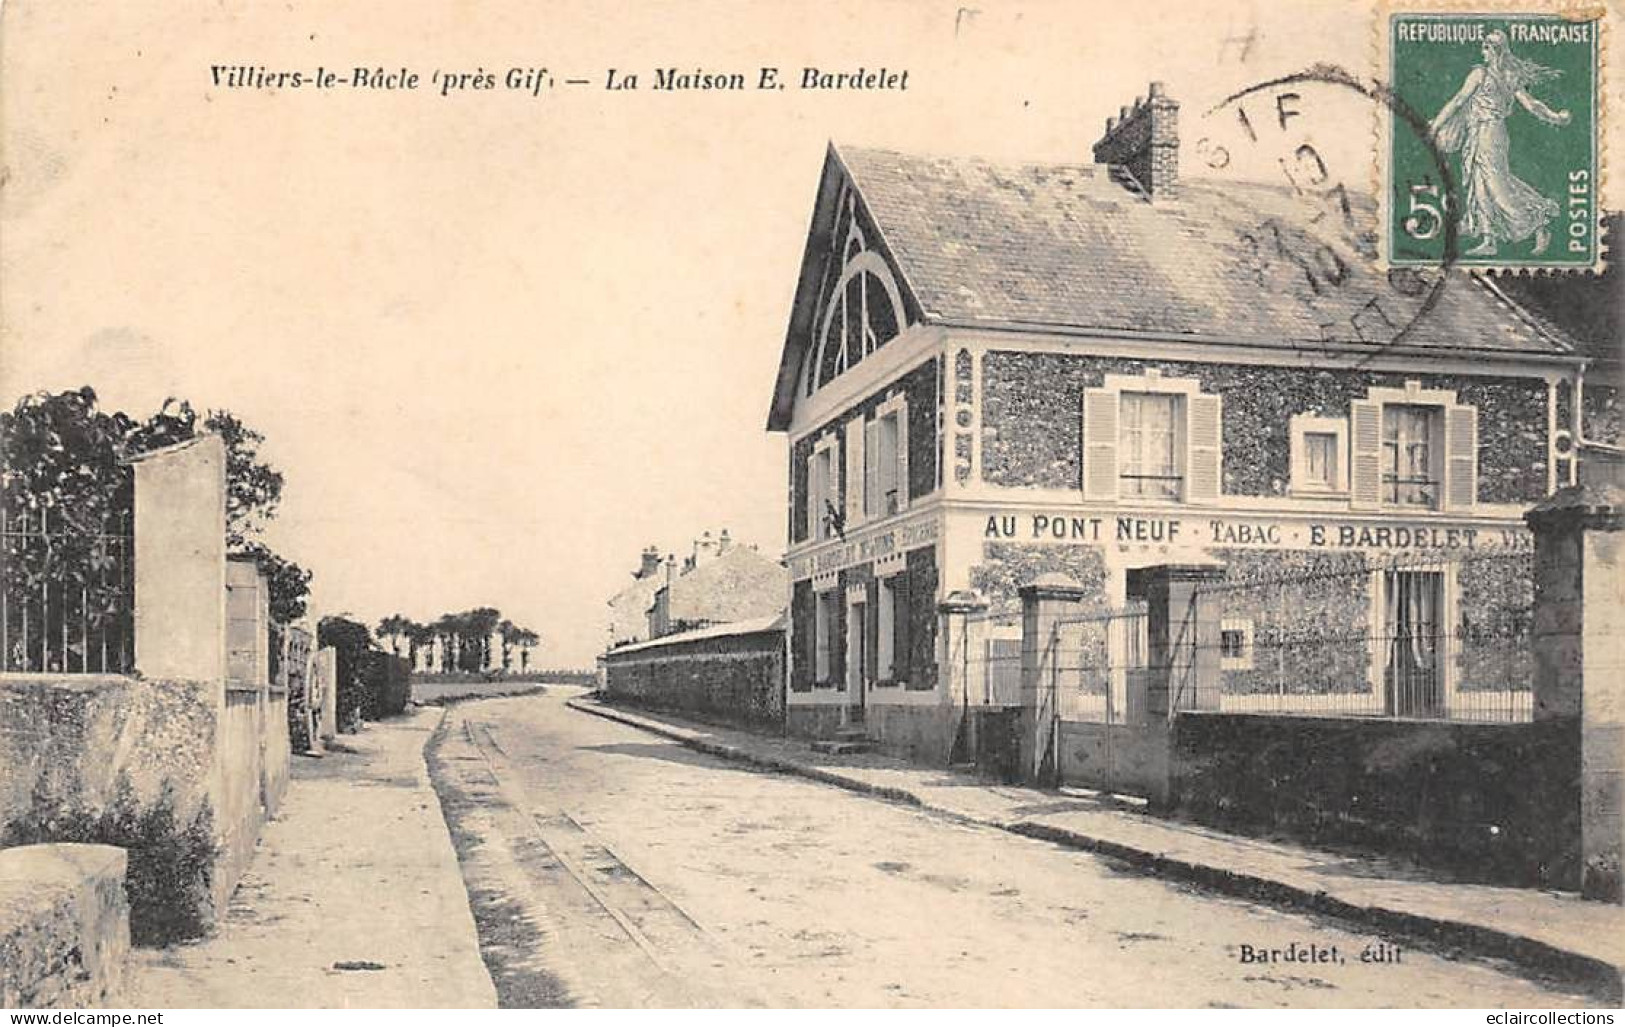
{"x": 996, "y": 372}
{"x": 718, "y": 584}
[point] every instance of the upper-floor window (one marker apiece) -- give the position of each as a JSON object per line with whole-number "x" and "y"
{"x": 1410, "y": 468}
{"x": 1319, "y": 454}
{"x": 1413, "y": 448}
{"x": 1150, "y": 437}
{"x": 1148, "y": 447}
{"x": 824, "y": 518}
{"x": 885, "y": 449}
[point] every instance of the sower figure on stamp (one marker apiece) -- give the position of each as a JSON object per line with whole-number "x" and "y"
{"x": 1497, "y": 204}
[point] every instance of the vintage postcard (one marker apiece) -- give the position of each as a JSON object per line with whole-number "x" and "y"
{"x": 945, "y": 504}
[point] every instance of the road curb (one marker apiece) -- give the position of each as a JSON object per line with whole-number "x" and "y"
{"x": 1529, "y": 954}
{"x": 736, "y": 755}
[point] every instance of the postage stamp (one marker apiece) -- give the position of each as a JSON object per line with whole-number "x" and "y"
{"x": 1492, "y": 148}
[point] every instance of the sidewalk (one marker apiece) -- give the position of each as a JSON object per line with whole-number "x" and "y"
{"x": 1543, "y": 932}
{"x": 353, "y": 898}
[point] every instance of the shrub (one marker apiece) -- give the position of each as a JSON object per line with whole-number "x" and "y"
{"x": 171, "y": 865}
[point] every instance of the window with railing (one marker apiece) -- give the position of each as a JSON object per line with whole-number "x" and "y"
{"x": 1148, "y": 445}
{"x": 1410, "y": 471}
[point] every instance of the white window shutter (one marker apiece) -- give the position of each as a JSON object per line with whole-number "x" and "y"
{"x": 1365, "y": 453}
{"x": 855, "y": 472}
{"x": 812, "y": 495}
{"x": 1204, "y": 448}
{"x": 874, "y": 504}
{"x": 1099, "y": 444}
{"x": 902, "y": 457}
{"x": 1461, "y": 456}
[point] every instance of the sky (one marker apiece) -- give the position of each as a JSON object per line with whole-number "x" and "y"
{"x": 498, "y": 343}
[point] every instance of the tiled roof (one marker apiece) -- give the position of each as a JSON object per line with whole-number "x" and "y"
{"x": 1069, "y": 246}
{"x": 736, "y": 585}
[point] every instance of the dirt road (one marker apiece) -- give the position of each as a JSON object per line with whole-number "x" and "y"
{"x": 609, "y": 867}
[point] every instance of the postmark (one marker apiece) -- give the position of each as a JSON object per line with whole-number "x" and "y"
{"x": 1512, "y": 104}
{"x": 1287, "y": 130}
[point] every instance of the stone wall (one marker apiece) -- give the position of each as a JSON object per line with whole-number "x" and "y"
{"x": 732, "y": 677}
{"x": 239, "y": 783}
{"x": 64, "y": 926}
{"x": 184, "y": 770}
{"x": 73, "y": 741}
{"x": 1491, "y": 802}
{"x": 1032, "y": 437}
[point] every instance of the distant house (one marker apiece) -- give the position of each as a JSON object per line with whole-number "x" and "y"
{"x": 629, "y": 608}
{"x": 719, "y": 583}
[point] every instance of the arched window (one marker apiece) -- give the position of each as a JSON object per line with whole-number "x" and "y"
{"x": 860, "y": 309}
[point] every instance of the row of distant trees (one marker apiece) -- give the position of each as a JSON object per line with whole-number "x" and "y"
{"x": 464, "y": 640}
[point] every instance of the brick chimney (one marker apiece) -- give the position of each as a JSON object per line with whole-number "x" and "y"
{"x": 651, "y": 563}
{"x": 1144, "y": 141}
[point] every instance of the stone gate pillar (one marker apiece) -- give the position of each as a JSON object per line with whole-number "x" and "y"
{"x": 180, "y": 561}
{"x": 1182, "y": 636}
{"x": 956, "y": 612}
{"x": 1579, "y": 625}
{"x": 1053, "y": 597}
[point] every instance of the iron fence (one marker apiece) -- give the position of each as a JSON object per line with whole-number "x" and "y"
{"x": 66, "y": 592}
{"x": 1417, "y": 637}
{"x": 1096, "y": 665}
{"x": 986, "y": 659}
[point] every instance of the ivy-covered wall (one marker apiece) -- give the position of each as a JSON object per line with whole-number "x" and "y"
{"x": 735, "y": 678}
{"x": 922, "y": 619}
{"x": 1495, "y": 629}
{"x": 921, "y": 387}
{"x": 1032, "y": 418}
{"x": 1006, "y": 566}
{"x": 1310, "y": 621}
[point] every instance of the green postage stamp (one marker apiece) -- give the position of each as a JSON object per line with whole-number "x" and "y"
{"x": 1493, "y": 139}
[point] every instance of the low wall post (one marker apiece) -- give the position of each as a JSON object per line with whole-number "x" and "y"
{"x": 1579, "y": 621}
{"x": 1043, "y": 602}
{"x": 325, "y": 669}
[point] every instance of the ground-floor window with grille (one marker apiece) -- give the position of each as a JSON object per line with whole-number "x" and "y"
{"x": 1413, "y": 642}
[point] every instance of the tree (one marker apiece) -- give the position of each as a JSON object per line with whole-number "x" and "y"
{"x": 417, "y": 637}
{"x": 63, "y": 454}
{"x": 479, "y": 625}
{"x": 287, "y": 583}
{"x": 350, "y": 640}
{"x": 508, "y": 631}
{"x": 394, "y": 628}
{"x": 526, "y": 641}
{"x": 447, "y": 630}
{"x": 253, "y": 488}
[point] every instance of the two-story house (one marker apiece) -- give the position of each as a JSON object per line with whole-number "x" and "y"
{"x": 993, "y": 372}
